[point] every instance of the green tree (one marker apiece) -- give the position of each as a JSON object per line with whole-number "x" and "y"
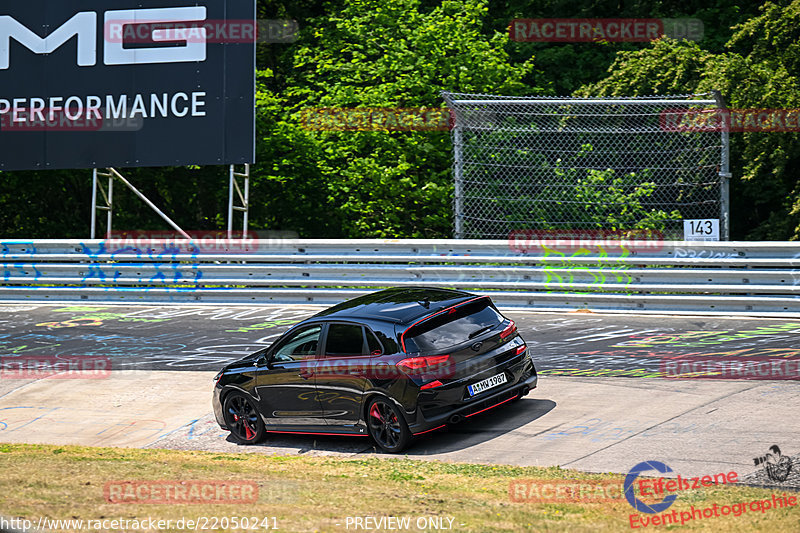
{"x": 401, "y": 54}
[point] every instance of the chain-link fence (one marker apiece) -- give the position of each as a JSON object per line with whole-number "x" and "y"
{"x": 578, "y": 163}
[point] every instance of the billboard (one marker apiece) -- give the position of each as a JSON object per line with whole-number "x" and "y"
{"x": 126, "y": 83}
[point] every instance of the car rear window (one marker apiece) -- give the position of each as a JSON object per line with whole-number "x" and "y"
{"x": 453, "y": 327}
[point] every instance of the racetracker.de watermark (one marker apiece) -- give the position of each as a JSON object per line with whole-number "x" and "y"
{"x": 571, "y": 240}
{"x": 200, "y": 241}
{"x": 564, "y": 491}
{"x": 376, "y": 119}
{"x": 615, "y": 30}
{"x": 55, "y": 367}
{"x": 71, "y": 119}
{"x": 730, "y": 120}
{"x": 425, "y": 368}
{"x": 148, "y": 32}
{"x": 768, "y": 368}
{"x": 160, "y": 492}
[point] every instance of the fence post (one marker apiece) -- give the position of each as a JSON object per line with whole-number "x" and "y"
{"x": 724, "y": 171}
{"x": 458, "y": 189}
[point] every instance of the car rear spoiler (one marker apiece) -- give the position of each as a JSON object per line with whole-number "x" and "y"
{"x": 451, "y": 309}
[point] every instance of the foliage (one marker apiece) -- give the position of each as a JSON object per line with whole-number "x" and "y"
{"x": 373, "y": 54}
{"x": 593, "y": 198}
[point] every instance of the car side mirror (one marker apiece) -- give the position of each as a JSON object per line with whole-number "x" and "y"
{"x": 262, "y": 360}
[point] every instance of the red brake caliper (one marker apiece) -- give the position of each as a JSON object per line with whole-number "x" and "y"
{"x": 249, "y": 433}
{"x": 375, "y": 413}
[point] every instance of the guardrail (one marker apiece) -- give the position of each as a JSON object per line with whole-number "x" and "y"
{"x": 674, "y": 276}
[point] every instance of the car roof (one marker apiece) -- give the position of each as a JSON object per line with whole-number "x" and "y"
{"x": 401, "y": 305}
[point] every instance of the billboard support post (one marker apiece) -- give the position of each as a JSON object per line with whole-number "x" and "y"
{"x": 113, "y": 173}
{"x": 244, "y": 197}
{"x": 94, "y": 203}
{"x": 107, "y": 196}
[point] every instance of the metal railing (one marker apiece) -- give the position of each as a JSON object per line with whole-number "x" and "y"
{"x": 674, "y": 276}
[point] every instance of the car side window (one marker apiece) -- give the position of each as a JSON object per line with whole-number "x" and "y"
{"x": 344, "y": 340}
{"x": 299, "y": 346}
{"x": 373, "y": 343}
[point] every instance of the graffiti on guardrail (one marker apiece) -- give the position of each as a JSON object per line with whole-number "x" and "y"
{"x": 562, "y": 276}
{"x": 577, "y": 265}
{"x": 160, "y": 259}
{"x": 161, "y": 269}
{"x": 13, "y": 261}
{"x": 602, "y": 245}
{"x": 705, "y": 254}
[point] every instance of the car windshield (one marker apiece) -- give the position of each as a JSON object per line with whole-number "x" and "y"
{"x": 457, "y": 326}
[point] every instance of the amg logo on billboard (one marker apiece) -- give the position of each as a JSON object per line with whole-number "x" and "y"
{"x": 83, "y": 25}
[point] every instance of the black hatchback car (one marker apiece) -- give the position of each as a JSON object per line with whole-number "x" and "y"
{"x": 390, "y": 365}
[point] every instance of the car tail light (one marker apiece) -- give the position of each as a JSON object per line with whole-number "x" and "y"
{"x": 439, "y": 364}
{"x": 520, "y": 349}
{"x": 510, "y": 328}
{"x": 432, "y": 385}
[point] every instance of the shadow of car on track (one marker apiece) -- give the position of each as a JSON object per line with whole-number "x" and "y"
{"x": 482, "y": 428}
{"x": 471, "y": 432}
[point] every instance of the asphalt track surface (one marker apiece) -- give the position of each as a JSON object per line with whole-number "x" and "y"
{"x": 603, "y": 403}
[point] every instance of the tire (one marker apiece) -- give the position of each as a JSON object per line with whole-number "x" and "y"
{"x": 387, "y": 427}
{"x": 243, "y": 419}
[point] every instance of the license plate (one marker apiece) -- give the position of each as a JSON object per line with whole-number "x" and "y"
{"x": 486, "y": 384}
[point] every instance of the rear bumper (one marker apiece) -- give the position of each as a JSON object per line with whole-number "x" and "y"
{"x": 424, "y": 420}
